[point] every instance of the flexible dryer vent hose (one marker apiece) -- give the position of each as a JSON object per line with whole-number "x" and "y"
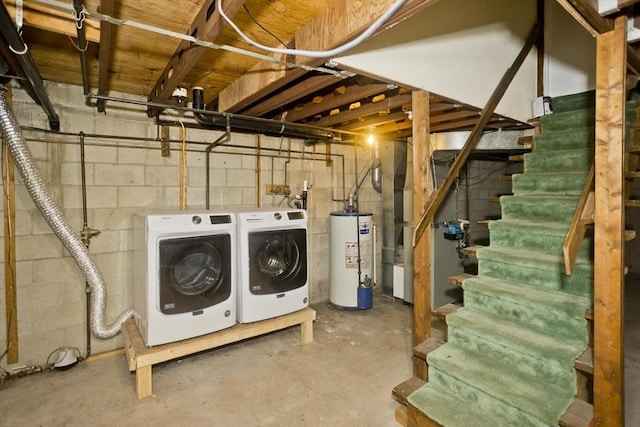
{"x": 58, "y": 223}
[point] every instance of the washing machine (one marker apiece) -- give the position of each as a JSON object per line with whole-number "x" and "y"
{"x": 272, "y": 263}
{"x": 185, "y": 272}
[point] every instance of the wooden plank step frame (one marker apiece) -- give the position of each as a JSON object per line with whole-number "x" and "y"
{"x": 421, "y": 351}
{"x": 471, "y": 250}
{"x": 445, "y": 310}
{"x": 584, "y": 362}
{"x": 632, "y": 203}
{"x": 459, "y": 278}
{"x": 141, "y": 358}
{"x": 579, "y": 414}
{"x": 484, "y": 222}
{"x": 505, "y": 178}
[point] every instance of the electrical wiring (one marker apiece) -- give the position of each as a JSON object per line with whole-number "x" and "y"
{"x": 271, "y": 33}
{"x": 320, "y": 53}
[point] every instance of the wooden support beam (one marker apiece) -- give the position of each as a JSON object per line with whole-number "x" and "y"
{"x": 387, "y": 104}
{"x": 454, "y": 115}
{"x": 611, "y": 49}
{"x": 337, "y": 99}
{"x": 582, "y": 216}
{"x": 10, "y": 281}
{"x": 399, "y": 128}
{"x": 374, "y": 121}
{"x": 104, "y": 52}
{"x": 422, "y": 188}
{"x": 308, "y": 87}
{"x": 433, "y": 204}
{"x": 53, "y": 20}
{"x": 206, "y": 26}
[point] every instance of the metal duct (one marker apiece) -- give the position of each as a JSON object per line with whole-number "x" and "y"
{"x": 58, "y": 223}
{"x": 268, "y": 127}
{"x": 28, "y": 65}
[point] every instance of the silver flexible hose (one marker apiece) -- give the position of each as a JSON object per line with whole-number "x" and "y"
{"x": 58, "y": 223}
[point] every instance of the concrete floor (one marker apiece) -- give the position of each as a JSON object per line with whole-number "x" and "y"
{"x": 343, "y": 378}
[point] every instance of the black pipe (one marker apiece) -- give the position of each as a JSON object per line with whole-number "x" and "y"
{"x": 82, "y": 44}
{"x": 268, "y": 127}
{"x": 214, "y": 144}
{"x": 28, "y": 65}
{"x": 86, "y": 239}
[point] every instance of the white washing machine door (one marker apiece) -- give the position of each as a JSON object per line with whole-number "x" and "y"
{"x": 195, "y": 273}
{"x": 277, "y": 261}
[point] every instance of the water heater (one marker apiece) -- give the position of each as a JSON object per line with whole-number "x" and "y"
{"x": 352, "y": 259}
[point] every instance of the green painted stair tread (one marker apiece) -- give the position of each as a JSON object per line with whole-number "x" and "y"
{"x": 539, "y": 208}
{"x": 564, "y": 140}
{"x": 574, "y": 101}
{"x": 568, "y": 120}
{"x": 452, "y": 411}
{"x": 559, "y": 313}
{"x": 546, "y": 237}
{"x": 501, "y": 376}
{"x": 520, "y": 338}
{"x": 576, "y": 159}
{"x": 549, "y": 183}
{"x": 536, "y": 269}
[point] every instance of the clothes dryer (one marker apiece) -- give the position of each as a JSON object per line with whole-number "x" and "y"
{"x": 184, "y": 270}
{"x": 272, "y": 263}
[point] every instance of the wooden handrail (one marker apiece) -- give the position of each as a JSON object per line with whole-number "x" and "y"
{"x": 436, "y": 198}
{"x": 581, "y": 218}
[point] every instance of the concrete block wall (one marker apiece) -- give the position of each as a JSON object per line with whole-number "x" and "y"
{"x": 124, "y": 176}
{"x": 483, "y": 183}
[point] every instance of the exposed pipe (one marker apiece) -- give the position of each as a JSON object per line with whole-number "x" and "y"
{"x": 376, "y": 171}
{"x": 269, "y": 127}
{"x": 220, "y": 140}
{"x": 28, "y": 65}
{"x": 78, "y": 13}
{"x": 87, "y": 233}
{"x": 258, "y": 172}
{"x": 55, "y": 218}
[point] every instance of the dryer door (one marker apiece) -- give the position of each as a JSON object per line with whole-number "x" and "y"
{"x": 277, "y": 261}
{"x": 195, "y": 273}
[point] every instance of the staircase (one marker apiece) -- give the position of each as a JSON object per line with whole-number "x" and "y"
{"x": 510, "y": 354}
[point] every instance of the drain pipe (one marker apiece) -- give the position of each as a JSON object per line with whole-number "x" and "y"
{"x": 78, "y": 13}
{"x": 246, "y": 123}
{"x": 220, "y": 140}
{"x": 55, "y": 218}
{"x": 28, "y": 65}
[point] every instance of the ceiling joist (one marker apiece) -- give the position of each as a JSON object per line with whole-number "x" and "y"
{"x": 104, "y": 52}
{"x": 53, "y": 20}
{"x": 206, "y": 26}
{"x": 342, "y": 22}
{"x": 388, "y": 104}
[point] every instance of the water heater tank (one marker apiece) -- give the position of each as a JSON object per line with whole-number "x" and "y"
{"x": 346, "y": 230}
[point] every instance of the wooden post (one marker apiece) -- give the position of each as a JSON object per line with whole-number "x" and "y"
{"x": 609, "y": 227}
{"x": 11, "y": 302}
{"x": 422, "y": 188}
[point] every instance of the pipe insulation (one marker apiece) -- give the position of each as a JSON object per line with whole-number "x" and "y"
{"x": 55, "y": 218}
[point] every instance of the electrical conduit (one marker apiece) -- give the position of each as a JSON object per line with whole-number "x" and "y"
{"x": 58, "y": 223}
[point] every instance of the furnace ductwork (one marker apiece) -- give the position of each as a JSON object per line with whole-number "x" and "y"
{"x": 58, "y": 223}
